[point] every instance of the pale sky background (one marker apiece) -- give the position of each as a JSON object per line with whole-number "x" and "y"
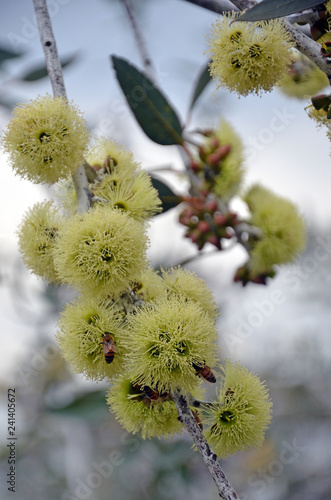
{"x": 282, "y": 325}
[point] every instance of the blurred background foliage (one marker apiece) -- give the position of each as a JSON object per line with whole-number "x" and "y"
{"x": 65, "y": 431}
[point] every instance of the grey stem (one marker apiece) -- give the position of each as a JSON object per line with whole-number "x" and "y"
{"x": 225, "y": 489}
{"x": 141, "y": 45}
{"x": 55, "y": 74}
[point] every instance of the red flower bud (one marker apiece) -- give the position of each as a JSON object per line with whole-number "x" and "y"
{"x": 203, "y": 226}
{"x": 214, "y": 142}
{"x": 213, "y": 159}
{"x": 211, "y": 206}
{"x": 223, "y": 151}
{"x": 195, "y": 166}
{"x": 214, "y": 240}
{"x": 220, "y": 220}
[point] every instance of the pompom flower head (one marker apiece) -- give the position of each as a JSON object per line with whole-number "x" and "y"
{"x": 100, "y": 251}
{"x": 46, "y": 139}
{"x": 240, "y": 416}
{"x": 304, "y": 79}
{"x": 166, "y": 339}
{"x": 185, "y": 284}
{"x": 134, "y": 195}
{"x": 86, "y": 327}
{"x": 248, "y": 57}
{"x": 137, "y": 413}
{"x": 282, "y": 227}
{"x": 112, "y": 158}
{"x": 37, "y": 234}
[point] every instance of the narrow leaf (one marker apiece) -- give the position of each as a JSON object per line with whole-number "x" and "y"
{"x": 269, "y": 9}
{"x": 41, "y": 71}
{"x": 90, "y": 406}
{"x": 150, "y": 107}
{"x": 203, "y": 80}
{"x": 167, "y": 196}
{"x": 6, "y": 54}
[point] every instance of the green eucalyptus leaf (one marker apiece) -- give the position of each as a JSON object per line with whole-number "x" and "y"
{"x": 151, "y": 109}
{"x": 167, "y": 196}
{"x": 90, "y": 406}
{"x": 203, "y": 79}
{"x": 41, "y": 71}
{"x": 6, "y": 54}
{"x": 270, "y": 9}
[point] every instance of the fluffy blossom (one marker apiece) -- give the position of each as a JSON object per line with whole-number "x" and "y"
{"x": 136, "y": 413}
{"x": 186, "y": 285}
{"x": 134, "y": 195}
{"x": 46, "y": 139}
{"x": 112, "y": 158}
{"x": 165, "y": 339}
{"x": 249, "y": 57}
{"x": 101, "y": 250}
{"x": 241, "y": 414}
{"x": 37, "y": 234}
{"x": 282, "y": 227}
{"x": 82, "y": 329}
{"x": 303, "y": 79}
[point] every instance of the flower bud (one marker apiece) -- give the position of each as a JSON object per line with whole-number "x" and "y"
{"x": 203, "y": 226}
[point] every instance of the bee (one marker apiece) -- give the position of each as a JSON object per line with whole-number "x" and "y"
{"x": 154, "y": 395}
{"x": 205, "y": 372}
{"x": 109, "y": 347}
{"x": 196, "y": 415}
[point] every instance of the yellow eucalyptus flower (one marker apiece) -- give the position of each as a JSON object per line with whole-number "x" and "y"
{"x": 283, "y": 229}
{"x": 248, "y": 57}
{"x": 37, "y": 234}
{"x": 101, "y": 251}
{"x": 241, "y": 414}
{"x": 46, "y": 139}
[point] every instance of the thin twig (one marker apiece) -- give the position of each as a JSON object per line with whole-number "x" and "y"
{"x": 307, "y": 16}
{"x": 225, "y": 489}
{"x": 55, "y": 74}
{"x": 309, "y": 48}
{"x": 141, "y": 45}
{"x": 219, "y": 6}
{"x": 196, "y": 256}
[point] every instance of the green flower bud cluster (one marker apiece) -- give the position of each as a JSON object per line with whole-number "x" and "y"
{"x": 148, "y": 334}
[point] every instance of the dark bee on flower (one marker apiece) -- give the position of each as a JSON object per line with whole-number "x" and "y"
{"x": 109, "y": 347}
{"x": 205, "y": 372}
{"x": 154, "y": 395}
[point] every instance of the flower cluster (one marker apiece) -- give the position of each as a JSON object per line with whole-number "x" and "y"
{"x": 149, "y": 334}
{"x": 206, "y": 223}
{"x": 249, "y": 57}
